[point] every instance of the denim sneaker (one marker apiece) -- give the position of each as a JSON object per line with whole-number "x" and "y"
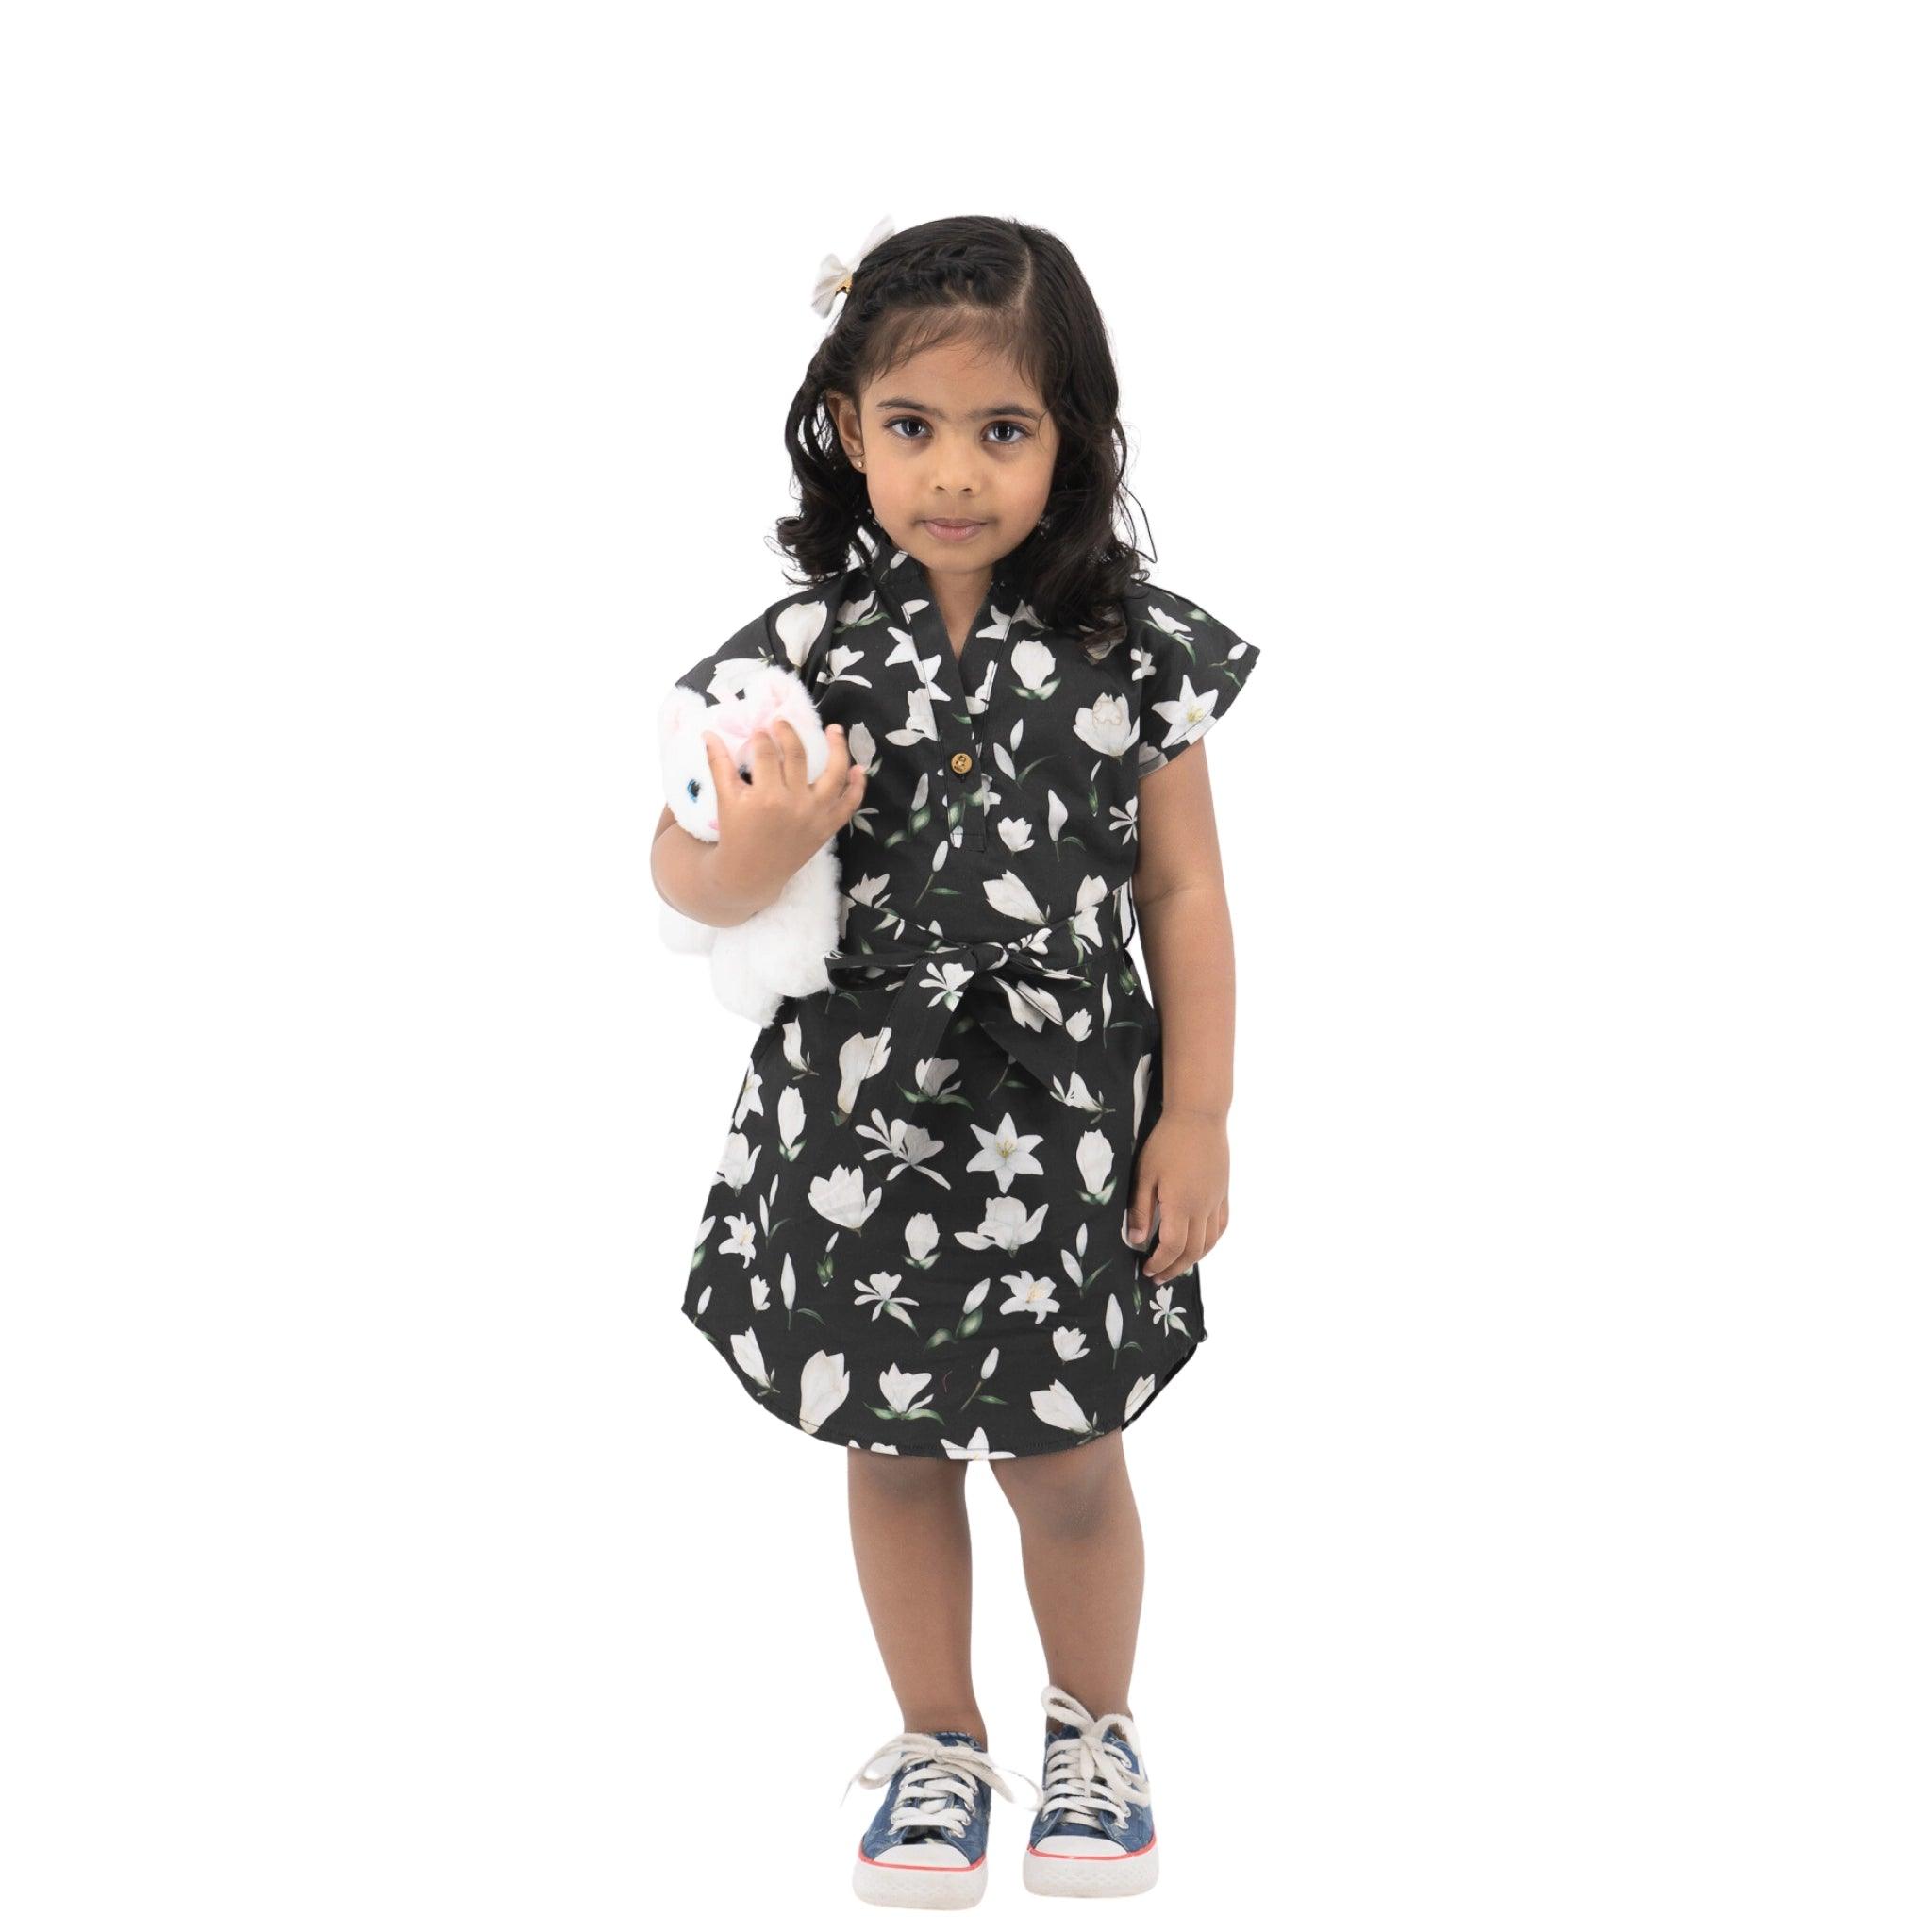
{"x": 1093, "y": 1836}
{"x": 926, "y": 1846}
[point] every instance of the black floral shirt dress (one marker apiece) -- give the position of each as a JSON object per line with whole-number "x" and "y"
{"x": 915, "y": 1240}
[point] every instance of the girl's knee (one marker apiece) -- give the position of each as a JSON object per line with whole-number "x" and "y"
{"x": 1068, "y": 1493}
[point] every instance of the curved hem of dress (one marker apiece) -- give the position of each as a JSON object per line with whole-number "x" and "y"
{"x": 1047, "y": 1442}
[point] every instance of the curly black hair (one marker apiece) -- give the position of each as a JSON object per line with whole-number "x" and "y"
{"x": 1018, "y": 292}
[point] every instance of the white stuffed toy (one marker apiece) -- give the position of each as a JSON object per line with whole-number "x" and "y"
{"x": 781, "y": 949}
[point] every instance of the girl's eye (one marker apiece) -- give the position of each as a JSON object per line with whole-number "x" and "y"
{"x": 914, "y": 422}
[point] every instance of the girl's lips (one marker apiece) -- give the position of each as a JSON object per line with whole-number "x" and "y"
{"x": 953, "y": 533}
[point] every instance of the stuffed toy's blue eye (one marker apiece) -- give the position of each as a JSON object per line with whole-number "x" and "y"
{"x": 691, "y": 787}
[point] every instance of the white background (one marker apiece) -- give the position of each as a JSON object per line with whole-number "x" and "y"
{"x": 392, "y": 404}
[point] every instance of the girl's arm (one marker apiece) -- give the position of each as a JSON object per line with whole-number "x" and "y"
{"x": 1187, "y": 934}
{"x": 767, "y": 825}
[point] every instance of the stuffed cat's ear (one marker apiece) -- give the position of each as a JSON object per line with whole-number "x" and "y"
{"x": 682, "y": 714}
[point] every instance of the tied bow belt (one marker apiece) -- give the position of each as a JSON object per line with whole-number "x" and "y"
{"x": 1045, "y": 969}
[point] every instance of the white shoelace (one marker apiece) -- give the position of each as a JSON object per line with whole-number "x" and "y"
{"x": 938, "y": 1789}
{"x": 1087, "y": 1772}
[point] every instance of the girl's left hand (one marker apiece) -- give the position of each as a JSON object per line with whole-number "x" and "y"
{"x": 1182, "y": 1166}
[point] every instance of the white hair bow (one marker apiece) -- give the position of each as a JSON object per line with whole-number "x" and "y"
{"x": 834, "y": 275}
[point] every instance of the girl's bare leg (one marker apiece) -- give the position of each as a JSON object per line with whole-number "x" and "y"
{"x": 1080, "y": 1541}
{"x": 914, "y": 1552}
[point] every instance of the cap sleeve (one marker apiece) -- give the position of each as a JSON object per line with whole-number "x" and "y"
{"x": 796, "y": 632}
{"x": 1188, "y": 669}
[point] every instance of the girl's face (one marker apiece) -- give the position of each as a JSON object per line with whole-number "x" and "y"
{"x": 955, "y": 440}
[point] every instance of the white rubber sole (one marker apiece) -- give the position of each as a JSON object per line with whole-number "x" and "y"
{"x": 924, "y": 1887}
{"x": 1054, "y": 1877}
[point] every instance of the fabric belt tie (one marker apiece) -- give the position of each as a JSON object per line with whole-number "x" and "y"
{"x": 1054, "y": 968}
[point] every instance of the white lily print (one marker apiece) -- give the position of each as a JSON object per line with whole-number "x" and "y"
{"x": 1094, "y": 1158}
{"x": 744, "y": 1350}
{"x": 743, "y": 1240}
{"x": 840, "y": 1197}
{"x": 1108, "y": 724}
{"x": 823, "y": 1387}
{"x": 1010, "y": 894}
{"x": 918, "y": 727}
{"x": 1007, "y": 1223}
{"x": 1006, "y": 1153}
{"x": 859, "y": 1059}
{"x": 901, "y": 1392}
{"x": 751, "y": 1099}
{"x": 931, "y": 1076}
{"x": 735, "y": 1164}
{"x": 904, "y": 1144}
{"x": 1113, "y": 1323}
{"x": 799, "y": 626}
{"x": 1164, "y": 1311}
{"x": 1188, "y": 715}
{"x": 922, "y": 1239}
{"x": 1076, "y": 1092}
{"x": 975, "y": 1448}
{"x": 882, "y": 1293}
{"x": 1056, "y": 1406}
{"x": 1137, "y": 1394}
{"x": 1070, "y": 1344}
{"x": 790, "y": 1117}
{"x": 1032, "y": 1294}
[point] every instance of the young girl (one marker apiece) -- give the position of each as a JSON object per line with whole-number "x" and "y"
{"x": 961, "y": 1200}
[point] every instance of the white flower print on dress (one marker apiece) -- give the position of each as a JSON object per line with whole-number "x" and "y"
{"x": 921, "y": 1238}
{"x": 882, "y": 1293}
{"x": 790, "y": 1121}
{"x": 1108, "y": 724}
{"x": 1036, "y": 666}
{"x": 744, "y": 1348}
{"x": 1015, "y": 865}
{"x": 798, "y": 627}
{"x": 842, "y": 1198}
{"x": 751, "y": 1099}
{"x": 736, "y": 1163}
{"x": 901, "y": 1391}
{"x": 859, "y": 1059}
{"x": 823, "y": 1387}
{"x": 1007, "y": 1223}
{"x": 1010, "y": 894}
{"x": 1058, "y": 1404}
{"x": 1006, "y": 1153}
{"x": 1032, "y": 1295}
{"x": 905, "y": 1144}
{"x": 1094, "y": 1157}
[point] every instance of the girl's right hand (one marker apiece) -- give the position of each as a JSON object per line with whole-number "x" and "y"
{"x": 770, "y": 823}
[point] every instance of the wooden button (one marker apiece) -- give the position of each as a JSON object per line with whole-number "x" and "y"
{"x": 962, "y": 761}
